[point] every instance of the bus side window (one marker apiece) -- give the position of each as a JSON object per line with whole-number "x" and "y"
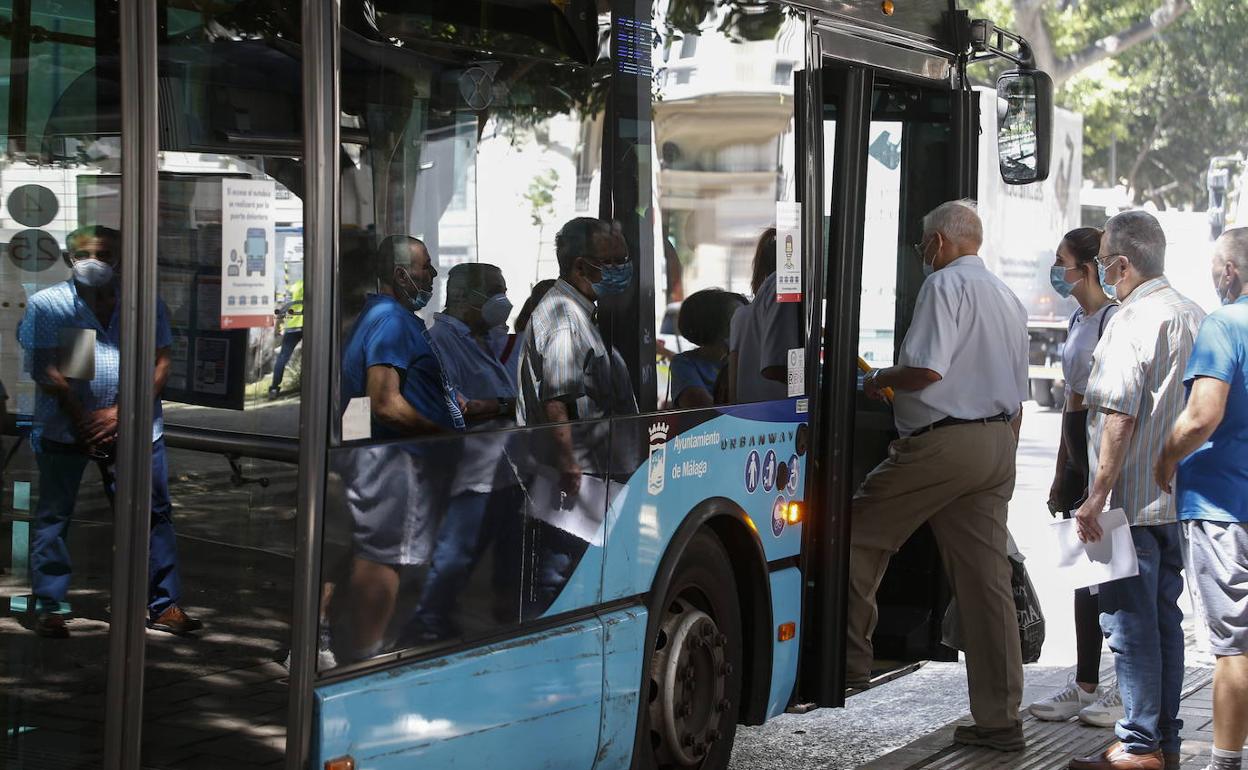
{"x": 719, "y": 190}
{"x": 468, "y": 403}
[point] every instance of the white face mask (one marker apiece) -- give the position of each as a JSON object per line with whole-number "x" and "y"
{"x": 93, "y": 272}
{"x": 929, "y": 267}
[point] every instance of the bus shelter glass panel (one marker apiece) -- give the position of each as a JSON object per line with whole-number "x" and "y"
{"x": 230, "y": 269}
{"x": 474, "y": 377}
{"x": 728, "y": 283}
{"x": 60, "y": 343}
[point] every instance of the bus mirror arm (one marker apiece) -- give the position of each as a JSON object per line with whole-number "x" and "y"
{"x": 988, "y": 41}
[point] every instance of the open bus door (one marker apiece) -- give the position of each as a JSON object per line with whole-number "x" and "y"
{"x": 897, "y": 135}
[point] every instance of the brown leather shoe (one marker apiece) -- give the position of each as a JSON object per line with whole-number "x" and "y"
{"x": 1116, "y": 757}
{"x": 174, "y": 621}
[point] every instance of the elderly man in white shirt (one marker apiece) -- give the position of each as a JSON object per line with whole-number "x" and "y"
{"x": 960, "y": 382}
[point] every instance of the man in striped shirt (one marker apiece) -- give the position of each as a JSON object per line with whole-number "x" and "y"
{"x": 568, "y": 373}
{"x": 1135, "y": 393}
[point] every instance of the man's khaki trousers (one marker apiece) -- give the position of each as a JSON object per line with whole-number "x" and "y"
{"x": 959, "y": 478}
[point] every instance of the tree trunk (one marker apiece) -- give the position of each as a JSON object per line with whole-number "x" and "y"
{"x": 1029, "y": 20}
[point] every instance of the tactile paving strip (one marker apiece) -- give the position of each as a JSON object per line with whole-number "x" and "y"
{"x": 1050, "y": 745}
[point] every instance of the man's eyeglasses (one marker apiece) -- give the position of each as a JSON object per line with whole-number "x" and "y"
{"x": 1109, "y": 259}
{"x": 596, "y": 266}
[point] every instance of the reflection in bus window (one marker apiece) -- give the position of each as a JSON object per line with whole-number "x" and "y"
{"x": 72, "y": 338}
{"x": 724, "y": 143}
{"x": 482, "y": 509}
{"x": 436, "y": 528}
{"x": 389, "y": 362}
{"x": 566, "y": 369}
{"x": 878, "y": 315}
{"x": 763, "y": 332}
{"x": 700, "y": 377}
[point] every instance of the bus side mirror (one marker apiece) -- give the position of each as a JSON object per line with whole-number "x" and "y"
{"x": 1024, "y": 125}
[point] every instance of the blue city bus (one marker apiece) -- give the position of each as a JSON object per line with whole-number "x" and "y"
{"x": 617, "y": 573}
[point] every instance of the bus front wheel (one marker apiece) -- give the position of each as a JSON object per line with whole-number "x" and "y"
{"x": 693, "y": 673}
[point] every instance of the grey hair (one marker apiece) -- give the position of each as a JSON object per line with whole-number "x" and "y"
{"x": 957, "y": 220}
{"x": 1232, "y": 246}
{"x": 1137, "y": 235}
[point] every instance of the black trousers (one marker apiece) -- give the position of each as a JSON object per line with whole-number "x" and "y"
{"x": 1074, "y": 490}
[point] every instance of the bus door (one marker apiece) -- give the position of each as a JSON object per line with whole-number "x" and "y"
{"x": 891, "y": 150}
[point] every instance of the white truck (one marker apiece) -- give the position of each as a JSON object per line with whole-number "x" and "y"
{"x": 1022, "y": 228}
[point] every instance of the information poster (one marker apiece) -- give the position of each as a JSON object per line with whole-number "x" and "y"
{"x": 788, "y": 251}
{"x": 248, "y": 253}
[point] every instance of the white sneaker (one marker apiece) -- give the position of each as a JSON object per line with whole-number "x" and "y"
{"x": 1064, "y": 704}
{"x": 1106, "y": 711}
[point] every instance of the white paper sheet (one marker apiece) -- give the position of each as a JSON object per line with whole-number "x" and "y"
{"x": 357, "y": 419}
{"x": 1110, "y": 558}
{"x": 582, "y": 515}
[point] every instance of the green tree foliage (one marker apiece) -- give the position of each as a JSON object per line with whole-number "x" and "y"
{"x": 1159, "y": 84}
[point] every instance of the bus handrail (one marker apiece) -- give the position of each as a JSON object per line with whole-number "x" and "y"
{"x": 228, "y": 442}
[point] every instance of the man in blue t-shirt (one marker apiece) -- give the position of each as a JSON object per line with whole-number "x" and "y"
{"x": 1209, "y": 446}
{"x": 390, "y": 360}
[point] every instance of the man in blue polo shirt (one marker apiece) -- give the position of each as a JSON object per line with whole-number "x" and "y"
{"x": 72, "y": 340}
{"x": 390, "y": 360}
{"x": 1209, "y": 445}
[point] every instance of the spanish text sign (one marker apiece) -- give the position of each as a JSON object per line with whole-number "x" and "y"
{"x": 788, "y": 252}
{"x": 247, "y": 253}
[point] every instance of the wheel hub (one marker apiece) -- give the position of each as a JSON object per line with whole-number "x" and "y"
{"x": 690, "y": 672}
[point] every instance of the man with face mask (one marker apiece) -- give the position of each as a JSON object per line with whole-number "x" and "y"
{"x": 1209, "y": 446}
{"x": 390, "y": 359}
{"x": 484, "y": 504}
{"x": 960, "y": 382}
{"x": 1134, "y": 394}
{"x": 568, "y": 373}
{"x": 72, "y": 338}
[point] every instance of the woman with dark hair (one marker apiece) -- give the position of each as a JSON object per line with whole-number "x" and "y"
{"x": 1074, "y": 275}
{"x": 762, "y": 333}
{"x": 522, "y": 318}
{"x": 705, "y": 318}
{"x": 764, "y": 259}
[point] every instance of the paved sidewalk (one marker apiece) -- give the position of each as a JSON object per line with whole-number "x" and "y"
{"x": 1050, "y": 745}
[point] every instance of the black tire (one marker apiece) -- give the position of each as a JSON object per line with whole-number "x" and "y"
{"x": 699, "y": 606}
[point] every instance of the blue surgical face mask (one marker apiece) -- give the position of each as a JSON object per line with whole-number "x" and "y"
{"x": 416, "y": 301}
{"x": 615, "y": 279}
{"x": 1111, "y": 289}
{"x": 496, "y": 310}
{"x": 1057, "y": 277}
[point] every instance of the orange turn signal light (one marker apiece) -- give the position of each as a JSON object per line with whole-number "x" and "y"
{"x": 793, "y": 513}
{"x": 887, "y": 7}
{"x": 341, "y": 763}
{"x": 786, "y": 631}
